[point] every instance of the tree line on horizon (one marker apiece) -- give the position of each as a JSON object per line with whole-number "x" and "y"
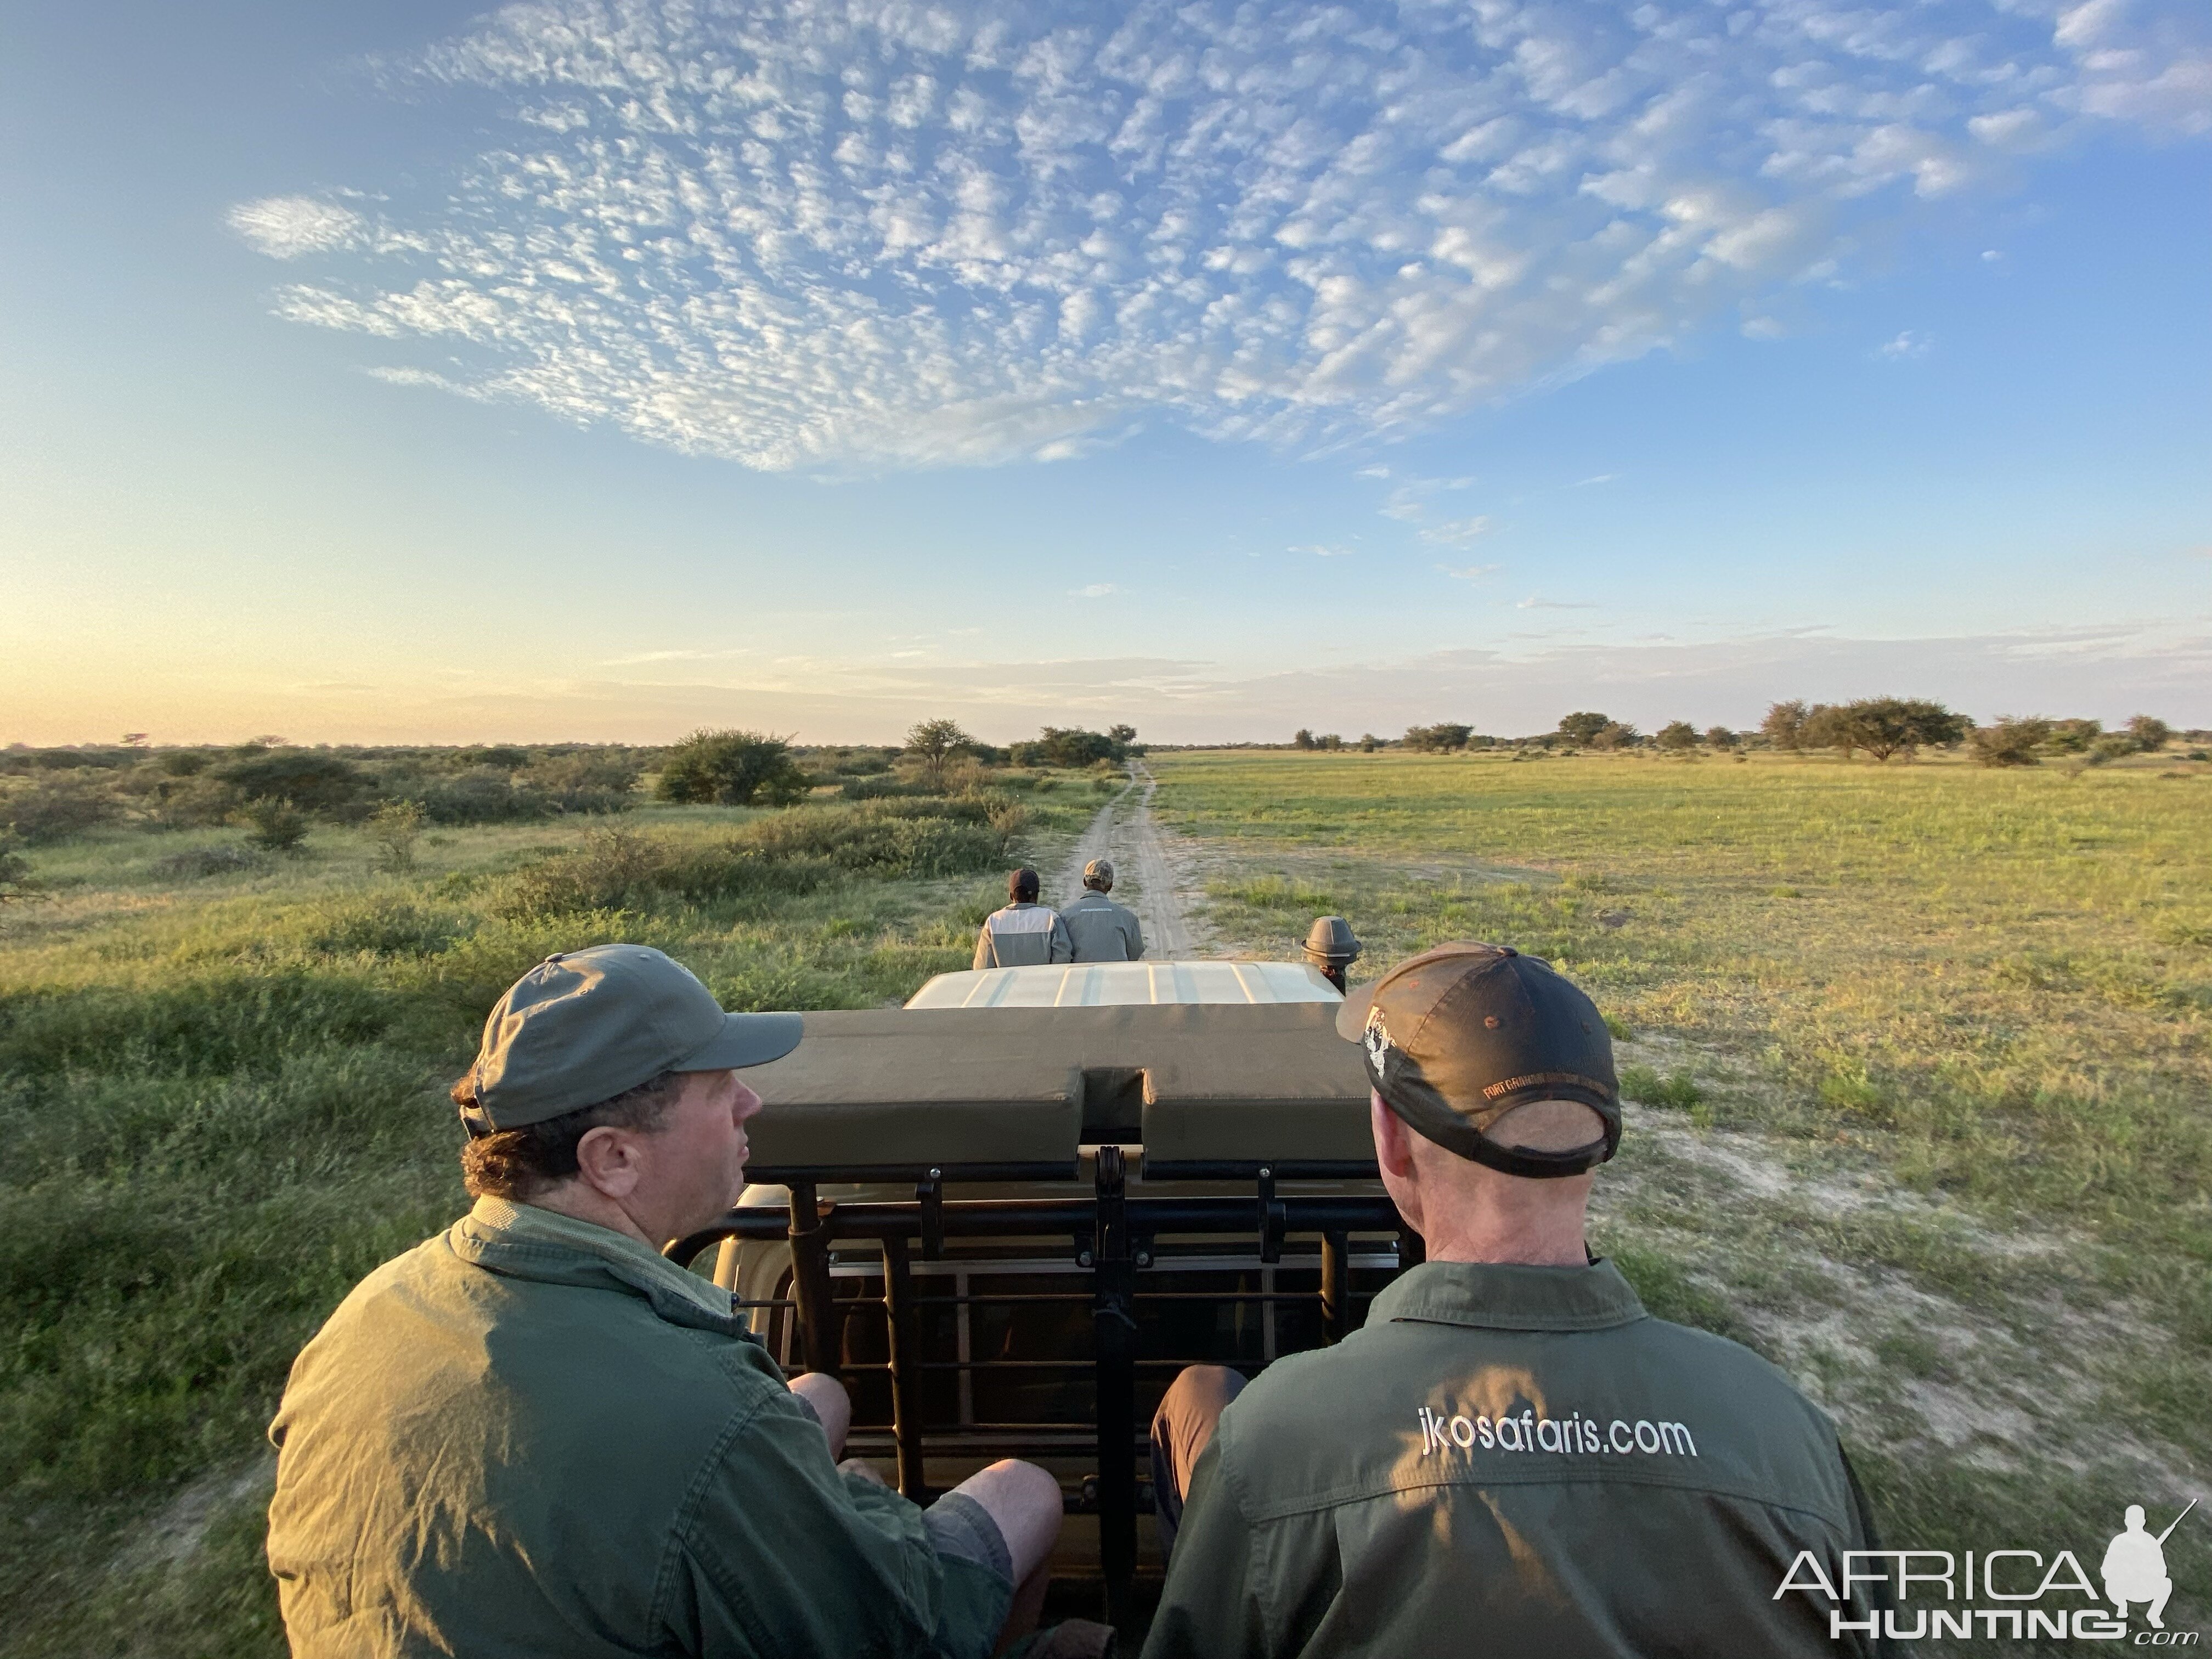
{"x": 1880, "y": 727}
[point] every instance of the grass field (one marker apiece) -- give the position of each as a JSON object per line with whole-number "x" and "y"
{"x": 222, "y": 1099}
{"x": 1923, "y": 1054}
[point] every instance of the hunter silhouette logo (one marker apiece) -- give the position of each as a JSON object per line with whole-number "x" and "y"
{"x": 2000, "y": 1594}
{"x": 2135, "y": 1566}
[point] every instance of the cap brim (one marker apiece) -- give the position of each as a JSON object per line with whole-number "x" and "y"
{"x": 745, "y": 1040}
{"x": 1352, "y": 1017}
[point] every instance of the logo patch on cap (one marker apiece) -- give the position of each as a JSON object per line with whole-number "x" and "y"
{"x": 1376, "y": 1040}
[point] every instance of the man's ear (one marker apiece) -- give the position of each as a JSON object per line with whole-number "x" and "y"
{"x": 1394, "y": 1146}
{"x": 1394, "y": 1156}
{"x": 608, "y": 1161}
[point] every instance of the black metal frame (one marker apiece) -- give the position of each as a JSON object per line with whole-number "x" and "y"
{"x": 1113, "y": 1237}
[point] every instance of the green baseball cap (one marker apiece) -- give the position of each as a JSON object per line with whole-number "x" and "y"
{"x": 584, "y": 1026}
{"x": 1457, "y": 1037}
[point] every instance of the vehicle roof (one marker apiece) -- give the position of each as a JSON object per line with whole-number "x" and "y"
{"x": 887, "y": 1088}
{"x": 1119, "y": 984}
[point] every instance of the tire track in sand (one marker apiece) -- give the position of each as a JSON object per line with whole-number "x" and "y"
{"x": 1147, "y": 877}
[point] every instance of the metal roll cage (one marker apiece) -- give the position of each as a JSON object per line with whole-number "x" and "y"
{"x": 1113, "y": 1237}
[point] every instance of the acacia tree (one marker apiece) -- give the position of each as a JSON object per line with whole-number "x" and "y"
{"x": 1719, "y": 737}
{"x": 2148, "y": 734}
{"x": 937, "y": 742}
{"x": 731, "y": 769}
{"x": 1677, "y": 737}
{"x": 1886, "y": 725}
{"x": 1583, "y": 728}
{"x": 1302, "y": 738}
{"x": 1785, "y": 725}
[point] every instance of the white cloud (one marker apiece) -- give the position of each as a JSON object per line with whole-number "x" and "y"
{"x": 1473, "y": 573}
{"x": 1596, "y": 478}
{"x": 1912, "y": 342}
{"x": 1324, "y": 550}
{"x": 286, "y": 227}
{"x": 867, "y": 232}
{"x": 1095, "y": 591}
{"x": 1538, "y": 602}
{"x": 1456, "y": 532}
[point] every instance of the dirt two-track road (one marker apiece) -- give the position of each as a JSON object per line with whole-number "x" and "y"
{"x": 1148, "y": 876}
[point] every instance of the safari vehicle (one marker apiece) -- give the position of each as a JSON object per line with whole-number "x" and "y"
{"x": 1008, "y": 1212}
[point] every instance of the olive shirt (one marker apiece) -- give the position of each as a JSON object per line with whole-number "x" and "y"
{"x": 1102, "y": 931}
{"x": 532, "y": 1437}
{"x": 1511, "y": 1460}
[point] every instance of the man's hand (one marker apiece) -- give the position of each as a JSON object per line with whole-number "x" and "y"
{"x": 832, "y": 1405}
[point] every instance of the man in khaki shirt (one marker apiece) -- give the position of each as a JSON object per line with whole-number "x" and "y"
{"x": 1512, "y": 1456}
{"x": 1101, "y": 930}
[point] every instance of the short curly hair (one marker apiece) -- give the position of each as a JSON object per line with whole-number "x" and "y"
{"x": 518, "y": 1164}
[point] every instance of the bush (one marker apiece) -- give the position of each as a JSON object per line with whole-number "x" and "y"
{"x": 1616, "y": 734}
{"x": 1441, "y": 738}
{"x": 277, "y": 826}
{"x": 55, "y": 809}
{"x": 1784, "y": 725}
{"x": 2011, "y": 742}
{"x": 306, "y": 780}
{"x": 203, "y": 861}
{"x": 793, "y": 852}
{"x": 16, "y": 881}
{"x": 1719, "y": 737}
{"x": 393, "y": 830}
{"x": 1072, "y": 746}
{"x": 1677, "y": 737}
{"x": 2149, "y": 735}
{"x": 731, "y": 769}
{"x": 2073, "y": 737}
{"x": 1582, "y": 728}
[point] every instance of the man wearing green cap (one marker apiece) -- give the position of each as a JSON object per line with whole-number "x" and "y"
{"x": 533, "y": 1435}
{"x": 1512, "y": 1456}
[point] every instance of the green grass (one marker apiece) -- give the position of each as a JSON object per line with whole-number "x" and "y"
{"x": 1924, "y": 1055}
{"x": 221, "y": 1097}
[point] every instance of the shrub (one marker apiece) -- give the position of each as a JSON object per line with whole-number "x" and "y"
{"x": 1616, "y": 734}
{"x": 584, "y": 780}
{"x": 1719, "y": 737}
{"x": 1583, "y": 728}
{"x": 393, "y": 830}
{"x": 1369, "y": 743}
{"x": 2012, "y": 741}
{"x": 277, "y": 826}
{"x": 1440, "y": 738}
{"x": 16, "y": 881}
{"x": 1073, "y": 746}
{"x": 1302, "y": 738}
{"x": 731, "y": 769}
{"x": 203, "y": 861}
{"x": 2073, "y": 737}
{"x": 384, "y": 927}
{"x": 55, "y": 809}
{"x": 1677, "y": 737}
{"x": 1784, "y": 725}
{"x": 481, "y": 795}
{"x": 2149, "y": 735}
{"x": 304, "y": 779}
{"x": 183, "y": 763}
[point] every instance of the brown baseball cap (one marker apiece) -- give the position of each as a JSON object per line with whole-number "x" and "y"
{"x": 1458, "y": 1037}
{"x": 584, "y": 1026}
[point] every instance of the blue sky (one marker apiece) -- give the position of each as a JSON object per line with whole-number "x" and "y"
{"x": 591, "y": 371}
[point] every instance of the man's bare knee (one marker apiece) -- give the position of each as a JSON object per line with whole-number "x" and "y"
{"x": 832, "y": 1406}
{"x": 1025, "y": 1501}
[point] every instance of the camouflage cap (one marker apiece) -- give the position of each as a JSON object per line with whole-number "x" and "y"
{"x": 584, "y": 1026}
{"x": 1098, "y": 873}
{"x": 1458, "y": 1037}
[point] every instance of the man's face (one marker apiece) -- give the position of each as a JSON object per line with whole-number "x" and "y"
{"x": 695, "y": 1167}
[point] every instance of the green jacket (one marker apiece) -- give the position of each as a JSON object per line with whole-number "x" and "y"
{"x": 533, "y": 1438}
{"x": 1102, "y": 931}
{"x": 1511, "y": 1460}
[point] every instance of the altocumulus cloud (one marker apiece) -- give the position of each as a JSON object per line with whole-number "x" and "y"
{"x": 805, "y": 234}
